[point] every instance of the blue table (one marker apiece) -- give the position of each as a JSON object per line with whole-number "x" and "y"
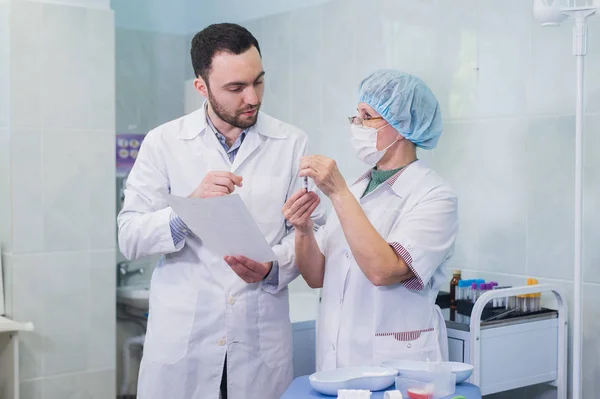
{"x": 301, "y": 389}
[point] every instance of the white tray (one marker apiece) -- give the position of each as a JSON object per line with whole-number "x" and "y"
{"x": 416, "y": 369}
{"x": 369, "y": 378}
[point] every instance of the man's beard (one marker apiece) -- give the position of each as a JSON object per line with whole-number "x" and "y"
{"x": 235, "y": 119}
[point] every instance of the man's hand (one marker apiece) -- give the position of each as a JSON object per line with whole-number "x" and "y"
{"x": 216, "y": 184}
{"x": 248, "y": 270}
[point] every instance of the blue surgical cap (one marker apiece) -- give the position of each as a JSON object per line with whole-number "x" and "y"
{"x": 406, "y": 103}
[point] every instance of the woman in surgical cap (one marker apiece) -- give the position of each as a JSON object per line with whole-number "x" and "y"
{"x": 380, "y": 258}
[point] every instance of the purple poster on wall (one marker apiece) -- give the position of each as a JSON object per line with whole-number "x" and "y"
{"x": 128, "y": 146}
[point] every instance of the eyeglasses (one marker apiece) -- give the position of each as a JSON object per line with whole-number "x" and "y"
{"x": 357, "y": 120}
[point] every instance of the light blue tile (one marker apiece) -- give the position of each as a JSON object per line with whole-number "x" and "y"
{"x": 550, "y": 168}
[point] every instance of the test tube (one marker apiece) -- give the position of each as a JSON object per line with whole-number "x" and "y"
{"x": 496, "y": 302}
{"x": 474, "y": 292}
{"x": 485, "y": 288}
{"x": 459, "y": 297}
{"x": 499, "y": 301}
{"x": 305, "y": 183}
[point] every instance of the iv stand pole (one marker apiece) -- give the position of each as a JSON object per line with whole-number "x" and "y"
{"x": 579, "y": 14}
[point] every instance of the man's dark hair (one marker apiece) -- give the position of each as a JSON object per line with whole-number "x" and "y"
{"x": 230, "y": 38}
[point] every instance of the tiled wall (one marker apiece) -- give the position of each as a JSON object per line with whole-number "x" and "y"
{"x": 60, "y": 242}
{"x": 151, "y": 68}
{"x": 4, "y": 123}
{"x": 507, "y": 90}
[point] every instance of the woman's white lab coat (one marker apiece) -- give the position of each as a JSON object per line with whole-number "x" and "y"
{"x": 361, "y": 324}
{"x": 199, "y": 308}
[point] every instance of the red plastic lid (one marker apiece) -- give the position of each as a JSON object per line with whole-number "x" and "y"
{"x": 419, "y": 393}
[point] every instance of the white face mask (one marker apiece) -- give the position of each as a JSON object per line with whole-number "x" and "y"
{"x": 364, "y": 141}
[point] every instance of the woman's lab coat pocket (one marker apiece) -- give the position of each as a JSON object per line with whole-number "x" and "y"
{"x": 170, "y": 321}
{"x": 274, "y": 329}
{"x": 420, "y": 345}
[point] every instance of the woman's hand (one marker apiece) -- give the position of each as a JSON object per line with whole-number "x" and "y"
{"x": 325, "y": 174}
{"x": 298, "y": 209}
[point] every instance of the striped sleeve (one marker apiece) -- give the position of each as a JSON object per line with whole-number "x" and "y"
{"x": 414, "y": 283}
{"x": 179, "y": 230}
{"x": 273, "y": 277}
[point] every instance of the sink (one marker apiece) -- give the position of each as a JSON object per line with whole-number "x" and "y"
{"x": 135, "y": 295}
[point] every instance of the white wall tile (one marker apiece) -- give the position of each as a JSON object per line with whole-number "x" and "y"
{"x": 143, "y": 57}
{"x": 276, "y": 51}
{"x": 254, "y": 26}
{"x": 29, "y": 285}
{"x": 100, "y": 68}
{"x": 101, "y": 341}
{"x": 67, "y": 309}
{"x": 502, "y": 56}
{"x": 5, "y": 212}
{"x": 592, "y": 63}
{"x": 27, "y": 83}
{"x": 370, "y": 48}
{"x": 65, "y": 73}
{"x": 4, "y": 64}
{"x": 338, "y": 55}
{"x": 306, "y": 41}
{"x": 27, "y": 193}
{"x": 502, "y": 192}
{"x": 102, "y": 194}
{"x": 169, "y": 74}
{"x": 551, "y": 83}
{"x": 100, "y": 4}
{"x": 67, "y": 186}
{"x": 32, "y": 389}
{"x": 550, "y": 168}
{"x": 591, "y": 193}
{"x": 451, "y": 66}
{"x": 134, "y": 111}
{"x": 90, "y": 385}
{"x": 456, "y": 159}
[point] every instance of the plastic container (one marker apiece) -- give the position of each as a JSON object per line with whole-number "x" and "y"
{"x": 414, "y": 389}
{"x": 437, "y": 382}
{"x": 456, "y": 277}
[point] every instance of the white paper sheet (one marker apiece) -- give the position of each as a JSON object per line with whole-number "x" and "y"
{"x": 224, "y": 225}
